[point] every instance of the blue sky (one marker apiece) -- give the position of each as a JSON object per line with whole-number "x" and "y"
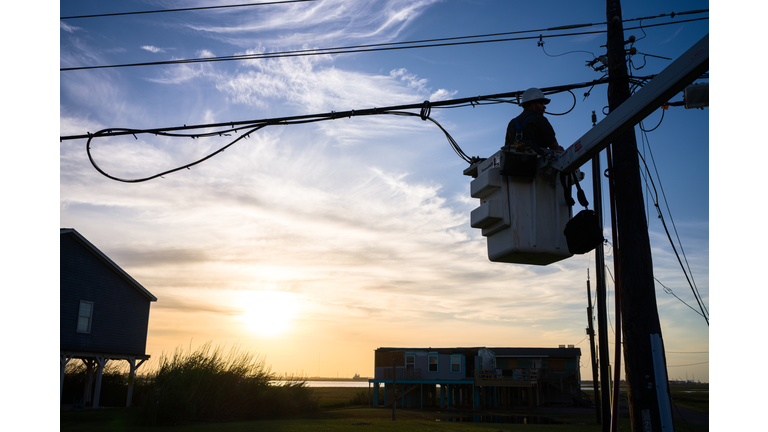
{"x": 354, "y": 233}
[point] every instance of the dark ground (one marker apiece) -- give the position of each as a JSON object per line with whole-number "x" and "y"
{"x": 683, "y": 413}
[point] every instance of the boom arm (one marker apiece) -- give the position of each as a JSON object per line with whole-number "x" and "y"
{"x": 672, "y": 80}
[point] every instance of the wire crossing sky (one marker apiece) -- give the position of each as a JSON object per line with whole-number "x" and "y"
{"x": 315, "y": 244}
{"x": 185, "y": 9}
{"x": 389, "y": 46}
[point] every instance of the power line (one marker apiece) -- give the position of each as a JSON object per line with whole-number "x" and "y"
{"x": 335, "y": 50}
{"x": 692, "y": 364}
{"x": 669, "y": 291}
{"x": 184, "y": 9}
{"x": 674, "y": 227}
{"x": 449, "y": 103}
{"x": 251, "y": 126}
{"x": 370, "y": 48}
{"x": 696, "y": 295}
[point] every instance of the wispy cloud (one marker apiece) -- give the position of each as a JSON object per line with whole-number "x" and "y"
{"x": 314, "y": 85}
{"x": 322, "y": 22}
{"x": 68, "y": 28}
{"x": 181, "y": 73}
{"x": 152, "y": 49}
{"x": 363, "y": 220}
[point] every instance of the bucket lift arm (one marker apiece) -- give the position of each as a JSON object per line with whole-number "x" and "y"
{"x": 672, "y": 80}
{"x": 524, "y": 220}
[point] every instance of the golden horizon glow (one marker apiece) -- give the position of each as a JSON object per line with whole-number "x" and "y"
{"x": 268, "y": 313}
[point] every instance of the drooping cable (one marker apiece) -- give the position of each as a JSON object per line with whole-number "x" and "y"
{"x": 187, "y": 166}
{"x": 674, "y": 249}
{"x": 254, "y": 125}
{"x": 655, "y": 127}
{"x": 424, "y": 115}
{"x": 672, "y": 293}
{"x": 508, "y": 97}
{"x": 674, "y": 227}
{"x": 572, "y": 107}
{"x": 250, "y": 129}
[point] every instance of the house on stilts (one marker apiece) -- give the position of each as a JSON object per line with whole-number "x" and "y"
{"x": 104, "y": 314}
{"x": 476, "y": 378}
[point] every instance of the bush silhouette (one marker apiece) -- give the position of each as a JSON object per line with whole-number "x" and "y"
{"x": 207, "y": 384}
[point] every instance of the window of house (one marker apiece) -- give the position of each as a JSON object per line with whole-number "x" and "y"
{"x": 84, "y": 317}
{"x": 410, "y": 362}
{"x": 433, "y": 363}
{"x": 456, "y": 363}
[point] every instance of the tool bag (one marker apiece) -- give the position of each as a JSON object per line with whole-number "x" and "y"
{"x": 582, "y": 232}
{"x": 519, "y": 165}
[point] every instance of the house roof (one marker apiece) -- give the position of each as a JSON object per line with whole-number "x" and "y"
{"x": 500, "y": 352}
{"x": 430, "y": 349}
{"x": 79, "y": 237}
{"x": 536, "y": 352}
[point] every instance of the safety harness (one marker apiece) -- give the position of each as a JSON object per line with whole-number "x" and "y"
{"x": 521, "y": 142}
{"x": 518, "y": 161}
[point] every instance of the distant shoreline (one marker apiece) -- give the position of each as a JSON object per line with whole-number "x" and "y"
{"x": 337, "y": 379}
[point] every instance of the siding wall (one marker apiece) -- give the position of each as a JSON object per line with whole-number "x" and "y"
{"x": 384, "y": 361}
{"x": 120, "y": 311}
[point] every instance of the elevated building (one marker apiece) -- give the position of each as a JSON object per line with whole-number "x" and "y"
{"x": 477, "y": 377}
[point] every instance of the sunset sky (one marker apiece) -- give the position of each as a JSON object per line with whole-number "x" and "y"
{"x": 315, "y": 244}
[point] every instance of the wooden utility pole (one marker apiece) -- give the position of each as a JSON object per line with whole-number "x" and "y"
{"x": 591, "y": 333}
{"x": 600, "y": 294}
{"x": 645, "y": 362}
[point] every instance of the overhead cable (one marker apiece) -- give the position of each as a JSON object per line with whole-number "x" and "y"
{"x": 692, "y": 364}
{"x": 364, "y": 48}
{"x": 251, "y": 126}
{"x": 672, "y": 293}
{"x": 696, "y": 294}
{"x": 249, "y": 130}
{"x": 184, "y": 9}
{"x": 674, "y": 227}
{"x": 509, "y": 97}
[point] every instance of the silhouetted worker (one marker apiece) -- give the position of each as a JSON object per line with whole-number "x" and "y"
{"x": 535, "y": 127}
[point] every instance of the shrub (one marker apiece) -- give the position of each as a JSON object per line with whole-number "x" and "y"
{"x": 207, "y": 385}
{"x": 360, "y": 398}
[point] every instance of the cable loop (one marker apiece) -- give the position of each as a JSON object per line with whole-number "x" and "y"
{"x": 426, "y": 109}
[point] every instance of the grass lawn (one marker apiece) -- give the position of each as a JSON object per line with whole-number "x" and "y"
{"x": 693, "y": 396}
{"x": 334, "y": 416}
{"x": 337, "y": 397}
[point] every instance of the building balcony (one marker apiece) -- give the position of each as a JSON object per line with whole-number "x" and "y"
{"x": 403, "y": 374}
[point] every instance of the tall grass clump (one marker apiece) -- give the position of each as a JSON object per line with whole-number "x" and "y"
{"x": 209, "y": 385}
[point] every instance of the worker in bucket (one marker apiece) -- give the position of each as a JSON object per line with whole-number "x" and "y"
{"x": 531, "y": 126}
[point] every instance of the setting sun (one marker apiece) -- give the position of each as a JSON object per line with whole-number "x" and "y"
{"x": 268, "y": 313}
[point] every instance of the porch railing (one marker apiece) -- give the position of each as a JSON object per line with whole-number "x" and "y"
{"x": 516, "y": 375}
{"x": 403, "y": 374}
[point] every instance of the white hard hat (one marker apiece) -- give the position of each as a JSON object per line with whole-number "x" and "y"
{"x": 534, "y": 94}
